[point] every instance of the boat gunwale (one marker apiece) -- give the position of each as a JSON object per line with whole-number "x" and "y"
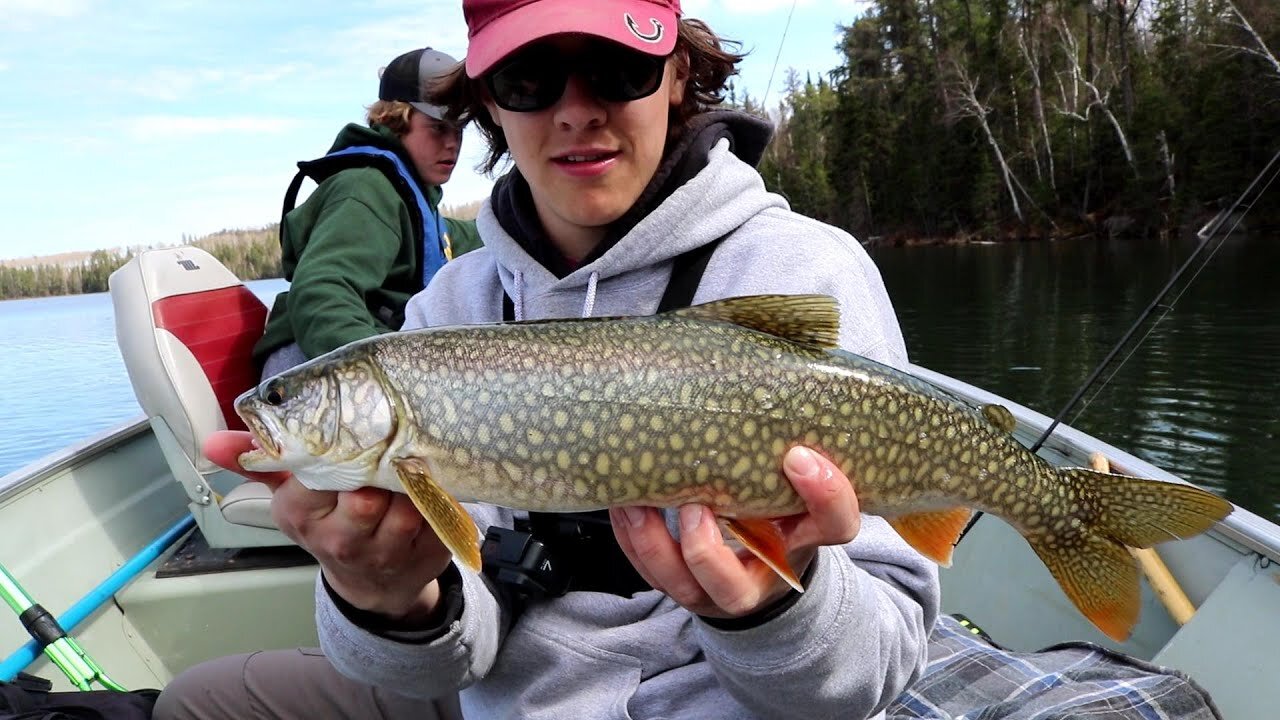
{"x": 70, "y": 456}
{"x": 1242, "y": 527}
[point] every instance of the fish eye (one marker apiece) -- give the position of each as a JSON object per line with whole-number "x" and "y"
{"x": 273, "y": 392}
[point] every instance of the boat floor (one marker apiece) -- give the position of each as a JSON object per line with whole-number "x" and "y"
{"x": 195, "y": 557}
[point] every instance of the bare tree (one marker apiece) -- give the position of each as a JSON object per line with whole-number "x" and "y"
{"x": 1095, "y": 97}
{"x": 964, "y": 94}
{"x": 1037, "y": 102}
{"x": 1233, "y": 16}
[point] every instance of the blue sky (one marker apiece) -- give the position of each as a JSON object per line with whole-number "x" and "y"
{"x": 133, "y": 123}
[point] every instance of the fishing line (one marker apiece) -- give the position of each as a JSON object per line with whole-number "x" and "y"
{"x": 764, "y": 103}
{"x": 1168, "y": 308}
{"x": 1211, "y": 233}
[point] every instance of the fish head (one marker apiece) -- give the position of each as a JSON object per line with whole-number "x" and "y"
{"x": 328, "y": 421}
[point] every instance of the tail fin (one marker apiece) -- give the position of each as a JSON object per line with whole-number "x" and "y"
{"x": 1092, "y": 563}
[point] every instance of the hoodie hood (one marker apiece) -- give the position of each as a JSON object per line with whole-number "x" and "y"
{"x": 705, "y": 188}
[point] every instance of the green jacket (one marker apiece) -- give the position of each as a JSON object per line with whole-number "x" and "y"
{"x": 350, "y": 257}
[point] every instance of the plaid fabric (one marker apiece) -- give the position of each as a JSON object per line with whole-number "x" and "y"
{"x": 969, "y": 678}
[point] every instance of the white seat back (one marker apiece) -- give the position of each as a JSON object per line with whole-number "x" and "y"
{"x": 186, "y": 327}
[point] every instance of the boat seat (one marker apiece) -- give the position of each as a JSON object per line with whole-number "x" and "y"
{"x": 186, "y": 327}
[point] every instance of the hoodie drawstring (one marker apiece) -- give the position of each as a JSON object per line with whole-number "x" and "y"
{"x": 589, "y": 304}
{"x": 518, "y": 300}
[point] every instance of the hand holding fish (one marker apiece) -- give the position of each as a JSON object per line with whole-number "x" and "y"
{"x": 709, "y": 578}
{"x": 375, "y": 548}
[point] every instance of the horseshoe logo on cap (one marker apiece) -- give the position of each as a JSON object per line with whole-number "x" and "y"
{"x": 634, "y": 27}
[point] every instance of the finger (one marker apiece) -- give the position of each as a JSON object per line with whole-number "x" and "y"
{"x": 657, "y": 556}
{"x": 728, "y": 582}
{"x": 295, "y": 506}
{"x": 832, "y": 513}
{"x": 402, "y": 523}
{"x": 622, "y": 533}
{"x": 360, "y": 511}
{"x": 224, "y": 447}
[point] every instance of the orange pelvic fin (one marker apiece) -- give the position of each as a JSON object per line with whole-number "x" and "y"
{"x": 761, "y": 537}
{"x": 933, "y": 534}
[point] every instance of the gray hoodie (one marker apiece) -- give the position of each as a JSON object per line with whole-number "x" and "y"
{"x": 850, "y": 644}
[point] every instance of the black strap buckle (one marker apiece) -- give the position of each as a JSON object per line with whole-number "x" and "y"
{"x": 524, "y": 565}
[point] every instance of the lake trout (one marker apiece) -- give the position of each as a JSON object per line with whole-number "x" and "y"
{"x": 699, "y": 405}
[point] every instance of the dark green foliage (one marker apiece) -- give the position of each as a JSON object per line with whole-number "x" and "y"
{"x": 888, "y": 148}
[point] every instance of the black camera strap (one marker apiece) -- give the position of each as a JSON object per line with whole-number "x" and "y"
{"x": 579, "y": 550}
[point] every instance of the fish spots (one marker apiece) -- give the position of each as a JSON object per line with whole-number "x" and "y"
{"x": 676, "y": 442}
{"x": 506, "y": 423}
{"x": 712, "y": 435}
{"x": 657, "y": 424}
{"x": 560, "y": 419}
{"x": 740, "y": 468}
{"x": 645, "y": 464}
{"x": 563, "y": 461}
{"x": 686, "y": 394}
{"x": 602, "y": 464}
{"x": 749, "y": 428}
{"x": 626, "y": 423}
{"x": 870, "y": 475}
{"x": 587, "y": 429}
{"x": 448, "y": 410}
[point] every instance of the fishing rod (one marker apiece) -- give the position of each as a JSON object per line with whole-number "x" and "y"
{"x": 1206, "y": 236}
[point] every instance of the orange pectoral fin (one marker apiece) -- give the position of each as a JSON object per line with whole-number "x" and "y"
{"x": 933, "y": 534}
{"x": 761, "y": 537}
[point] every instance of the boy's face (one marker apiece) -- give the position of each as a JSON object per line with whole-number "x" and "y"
{"x": 434, "y": 146}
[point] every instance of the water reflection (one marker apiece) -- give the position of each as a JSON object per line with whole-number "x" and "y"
{"x": 1031, "y": 321}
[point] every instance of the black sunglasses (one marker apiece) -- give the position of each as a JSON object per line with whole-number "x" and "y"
{"x": 535, "y": 78}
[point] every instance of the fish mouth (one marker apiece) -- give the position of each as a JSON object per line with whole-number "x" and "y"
{"x": 262, "y": 434}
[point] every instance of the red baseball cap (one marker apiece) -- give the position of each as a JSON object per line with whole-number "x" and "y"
{"x": 497, "y": 28}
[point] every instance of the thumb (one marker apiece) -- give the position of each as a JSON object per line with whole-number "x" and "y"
{"x": 225, "y": 447}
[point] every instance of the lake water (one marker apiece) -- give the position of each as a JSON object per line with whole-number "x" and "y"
{"x": 1028, "y": 321}
{"x": 61, "y": 374}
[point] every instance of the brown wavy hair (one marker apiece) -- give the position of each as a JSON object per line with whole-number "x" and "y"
{"x": 391, "y": 114}
{"x": 704, "y": 58}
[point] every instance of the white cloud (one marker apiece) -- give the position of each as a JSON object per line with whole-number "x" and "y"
{"x": 146, "y": 127}
{"x": 15, "y": 10}
{"x": 24, "y": 16}
{"x": 169, "y": 84}
{"x": 4, "y": 66}
{"x": 438, "y": 24}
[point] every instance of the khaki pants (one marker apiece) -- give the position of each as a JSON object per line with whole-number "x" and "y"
{"x": 297, "y": 684}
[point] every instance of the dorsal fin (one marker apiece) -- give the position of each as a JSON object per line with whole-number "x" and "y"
{"x": 1000, "y": 416}
{"x": 806, "y": 319}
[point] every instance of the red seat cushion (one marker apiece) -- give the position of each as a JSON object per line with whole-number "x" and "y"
{"x": 219, "y": 327}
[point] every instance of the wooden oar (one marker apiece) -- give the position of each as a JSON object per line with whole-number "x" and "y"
{"x": 1162, "y": 581}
